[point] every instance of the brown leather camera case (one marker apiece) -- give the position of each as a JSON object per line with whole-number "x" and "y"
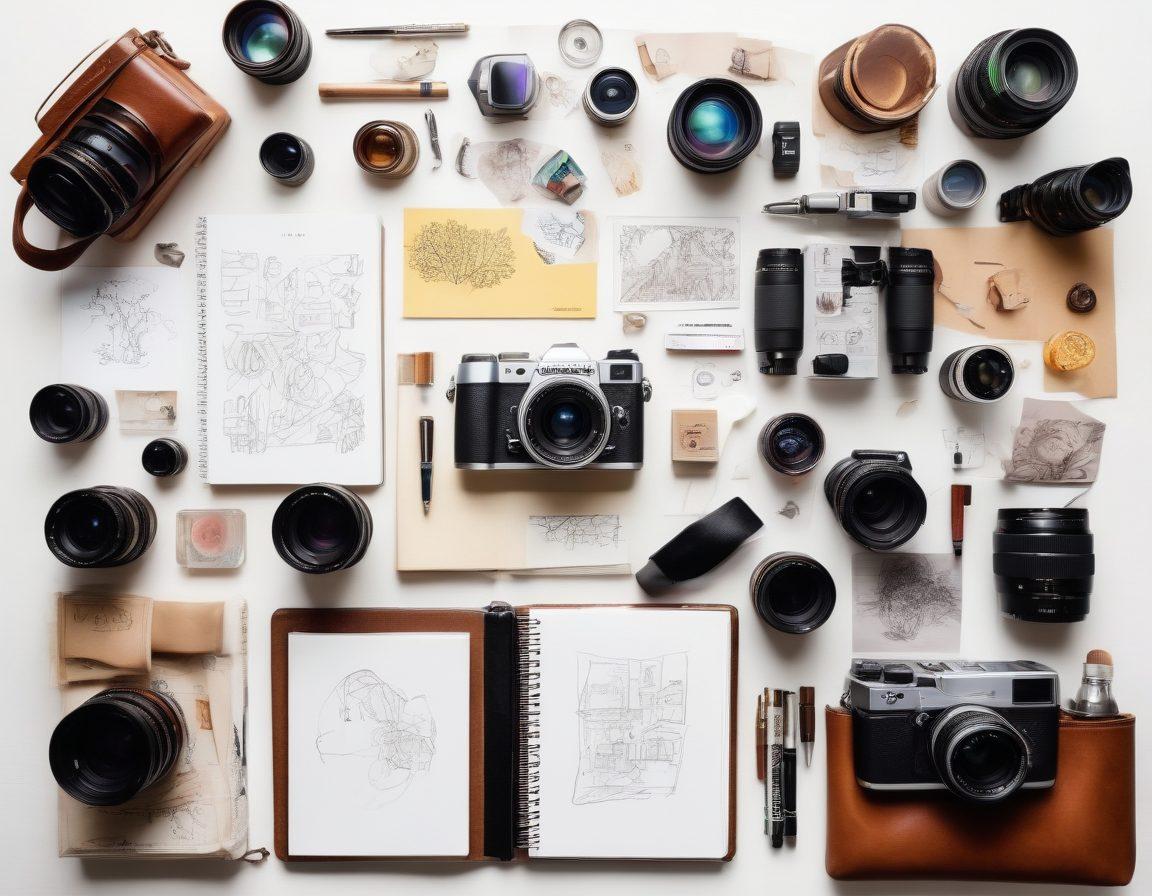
{"x": 142, "y": 74}
{"x": 1080, "y": 831}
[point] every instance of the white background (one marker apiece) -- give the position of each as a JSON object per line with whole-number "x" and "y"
{"x": 1107, "y": 116}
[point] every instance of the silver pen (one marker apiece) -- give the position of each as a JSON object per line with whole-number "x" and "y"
{"x": 861, "y": 203}
{"x": 434, "y": 138}
{"x": 400, "y": 30}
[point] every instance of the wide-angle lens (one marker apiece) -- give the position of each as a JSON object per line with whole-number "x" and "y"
{"x": 66, "y": 413}
{"x": 100, "y": 527}
{"x": 1044, "y": 563}
{"x": 792, "y": 592}
{"x": 565, "y": 423}
{"x": 267, "y": 40}
{"x": 979, "y": 374}
{"x": 322, "y": 528}
{"x": 792, "y": 443}
{"x": 611, "y": 96}
{"x": 978, "y": 754}
{"x": 715, "y": 124}
{"x": 875, "y": 498}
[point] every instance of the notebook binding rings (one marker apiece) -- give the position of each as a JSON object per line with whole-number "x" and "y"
{"x": 202, "y": 346}
{"x": 528, "y": 780}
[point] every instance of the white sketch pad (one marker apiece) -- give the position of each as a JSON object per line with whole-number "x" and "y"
{"x": 378, "y": 744}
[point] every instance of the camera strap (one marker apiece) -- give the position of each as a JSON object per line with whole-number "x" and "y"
{"x": 35, "y": 256}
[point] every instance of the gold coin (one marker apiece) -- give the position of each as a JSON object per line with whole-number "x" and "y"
{"x": 1069, "y": 350}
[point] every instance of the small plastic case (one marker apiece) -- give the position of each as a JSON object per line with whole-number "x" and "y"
{"x": 210, "y": 539}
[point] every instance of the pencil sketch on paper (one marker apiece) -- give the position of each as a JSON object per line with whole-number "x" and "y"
{"x": 381, "y": 737}
{"x": 902, "y": 601}
{"x": 596, "y": 530}
{"x": 677, "y": 263}
{"x": 293, "y": 376}
{"x": 109, "y": 615}
{"x": 125, "y": 311}
{"x": 633, "y": 719}
{"x": 451, "y": 252}
{"x": 1055, "y": 442}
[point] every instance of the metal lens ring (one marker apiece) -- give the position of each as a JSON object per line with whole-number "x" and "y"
{"x": 981, "y": 374}
{"x": 978, "y": 754}
{"x": 564, "y": 423}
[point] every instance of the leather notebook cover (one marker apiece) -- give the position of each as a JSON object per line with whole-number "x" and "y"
{"x": 1080, "y": 831}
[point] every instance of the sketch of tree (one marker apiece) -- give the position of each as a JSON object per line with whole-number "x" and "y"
{"x": 451, "y": 252}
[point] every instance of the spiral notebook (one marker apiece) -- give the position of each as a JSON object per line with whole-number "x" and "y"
{"x": 594, "y": 732}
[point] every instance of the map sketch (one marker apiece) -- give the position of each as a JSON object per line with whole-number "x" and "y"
{"x": 677, "y": 263}
{"x": 576, "y": 540}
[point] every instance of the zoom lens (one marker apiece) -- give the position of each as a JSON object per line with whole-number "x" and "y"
{"x": 1072, "y": 199}
{"x": 908, "y": 308}
{"x": 980, "y": 374}
{"x": 116, "y": 744}
{"x": 1044, "y": 564}
{"x": 92, "y": 177}
{"x": 65, "y": 413}
{"x": 1013, "y": 83}
{"x": 875, "y": 498}
{"x": 611, "y": 96}
{"x": 793, "y": 593}
{"x": 322, "y": 528}
{"x": 715, "y": 124}
{"x": 792, "y": 443}
{"x": 978, "y": 754}
{"x": 267, "y": 40}
{"x": 779, "y": 323}
{"x": 98, "y": 527}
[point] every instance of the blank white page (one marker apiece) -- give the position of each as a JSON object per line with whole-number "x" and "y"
{"x": 634, "y": 733}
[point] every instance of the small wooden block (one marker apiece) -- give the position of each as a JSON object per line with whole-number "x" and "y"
{"x": 694, "y": 436}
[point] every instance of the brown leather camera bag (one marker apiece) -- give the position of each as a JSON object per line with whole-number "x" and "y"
{"x": 141, "y": 73}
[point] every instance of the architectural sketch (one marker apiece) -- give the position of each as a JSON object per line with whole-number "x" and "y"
{"x": 906, "y": 601}
{"x": 293, "y": 375}
{"x": 633, "y": 719}
{"x": 451, "y": 252}
{"x": 388, "y": 737}
{"x": 596, "y": 530}
{"x": 677, "y": 263}
{"x": 1055, "y": 443}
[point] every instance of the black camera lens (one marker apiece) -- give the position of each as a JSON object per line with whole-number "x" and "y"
{"x": 980, "y": 374}
{"x": 287, "y": 158}
{"x": 792, "y": 443}
{"x": 164, "y": 457}
{"x": 978, "y": 754}
{"x": 564, "y": 424}
{"x": 1013, "y": 83}
{"x": 267, "y": 40}
{"x": 98, "y": 527}
{"x": 715, "y": 124}
{"x": 1072, "y": 199}
{"x": 105, "y": 165}
{"x": 793, "y": 593}
{"x": 116, "y": 744}
{"x": 1044, "y": 564}
{"x": 779, "y": 322}
{"x": 908, "y": 308}
{"x": 611, "y": 96}
{"x": 875, "y": 498}
{"x": 322, "y": 528}
{"x": 66, "y": 413}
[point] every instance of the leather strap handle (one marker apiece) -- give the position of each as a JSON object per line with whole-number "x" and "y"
{"x": 42, "y": 259}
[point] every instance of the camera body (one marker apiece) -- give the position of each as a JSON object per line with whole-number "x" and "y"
{"x": 563, "y": 411}
{"x": 921, "y": 725}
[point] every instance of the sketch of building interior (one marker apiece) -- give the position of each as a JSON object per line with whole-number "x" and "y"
{"x": 294, "y": 377}
{"x": 632, "y": 726}
{"x": 677, "y": 263}
{"x": 381, "y": 737}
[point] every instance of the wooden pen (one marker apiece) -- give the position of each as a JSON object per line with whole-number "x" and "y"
{"x": 385, "y": 90}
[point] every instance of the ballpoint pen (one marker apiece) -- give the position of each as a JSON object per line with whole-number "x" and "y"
{"x": 774, "y": 824}
{"x": 400, "y": 30}
{"x": 788, "y": 783}
{"x": 426, "y": 433}
{"x": 807, "y": 722}
{"x": 862, "y": 203}
{"x": 761, "y": 730}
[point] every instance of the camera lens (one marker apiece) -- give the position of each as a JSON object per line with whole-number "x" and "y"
{"x": 1072, "y": 199}
{"x": 793, "y": 593}
{"x": 978, "y": 754}
{"x": 322, "y": 528}
{"x": 107, "y": 163}
{"x": 116, "y": 744}
{"x": 954, "y": 188}
{"x": 287, "y": 158}
{"x": 99, "y": 527}
{"x": 564, "y": 423}
{"x": 779, "y": 323}
{"x": 792, "y": 443}
{"x": 1044, "y": 564}
{"x": 66, "y": 413}
{"x": 980, "y": 374}
{"x": 875, "y": 498}
{"x": 611, "y": 96}
{"x": 164, "y": 457}
{"x": 908, "y": 308}
{"x": 1012, "y": 83}
{"x": 267, "y": 40}
{"x": 715, "y": 124}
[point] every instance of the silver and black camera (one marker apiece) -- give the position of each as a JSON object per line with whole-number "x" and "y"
{"x": 982, "y": 730}
{"x": 563, "y": 411}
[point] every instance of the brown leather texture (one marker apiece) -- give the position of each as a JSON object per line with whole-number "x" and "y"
{"x": 1080, "y": 831}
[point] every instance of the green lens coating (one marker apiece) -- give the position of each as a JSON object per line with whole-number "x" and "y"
{"x": 264, "y": 38}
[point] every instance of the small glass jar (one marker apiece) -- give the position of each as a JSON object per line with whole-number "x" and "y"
{"x": 210, "y": 539}
{"x": 386, "y": 148}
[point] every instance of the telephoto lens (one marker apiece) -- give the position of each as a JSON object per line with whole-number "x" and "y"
{"x": 1012, "y": 83}
{"x": 322, "y": 528}
{"x": 792, "y": 444}
{"x": 117, "y": 744}
{"x": 792, "y": 592}
{"x": 1043, "y": 562}
{"x": 611, "y": 96}
{"x": 954, "y": 188}
{"x": 779, "y": 332}
{"x": 980, "y": 374}
{"x": 98, "y": 527}
{"x": 65, "y": 413}
{"x": 267, "y": 40}
{"x": 1072, "y": 199}
{"x": 908, "y": 308}
{"x": 714, "y": 126}
{"x": 875, "y": 498}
